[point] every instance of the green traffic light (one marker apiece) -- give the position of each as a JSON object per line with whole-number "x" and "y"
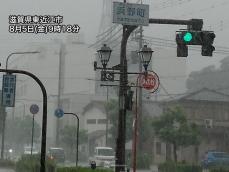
{"x": 187, "y": 37}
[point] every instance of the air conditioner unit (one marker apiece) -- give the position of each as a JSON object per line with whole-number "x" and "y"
{"x": 208, "y": 123}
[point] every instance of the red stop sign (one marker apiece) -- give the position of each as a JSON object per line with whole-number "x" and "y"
{"x": 149, "y": 81}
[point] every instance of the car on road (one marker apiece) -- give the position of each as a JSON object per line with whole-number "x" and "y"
{"x": 27, "y": 150}
{"x": 214, "y": 158}
{"x": 103, "y": 157}
{"x": 56, "y": 154}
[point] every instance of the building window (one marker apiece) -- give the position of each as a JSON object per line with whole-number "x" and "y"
{"x": 102, "y": 121}
{"x": 158, "y": 148}
{"x": 91, "y": 121}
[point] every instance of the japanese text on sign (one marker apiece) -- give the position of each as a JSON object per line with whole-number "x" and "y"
{"x": 130, "y": 14}
{"x": 8, "y": 90}
{"x": 40, "y": 24}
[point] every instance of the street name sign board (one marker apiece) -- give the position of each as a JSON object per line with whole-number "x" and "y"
{"x": 59, "y": 113}
{"x": 8, "y": 90}
{"x": 150, "y": 81}
{"x": 130, "y": 14}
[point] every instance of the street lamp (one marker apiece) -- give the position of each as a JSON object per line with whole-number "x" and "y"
{"x": 104, "y": 54}
{"x": 107, "y": 75}
{"x": 145, "y": 54}
{"x": 27, "y": 52}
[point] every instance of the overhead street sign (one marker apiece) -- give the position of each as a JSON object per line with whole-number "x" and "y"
{"x": 130, "y": 14}
{"x": 8, "y": 90}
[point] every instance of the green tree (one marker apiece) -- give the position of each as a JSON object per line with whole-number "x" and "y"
{"x": 172, "y": 127}
{"x": 68, "y": 136}
{"x": 210, "y": 77}
{"x": 113, "y": 111}
{"x": 19, "y": 131}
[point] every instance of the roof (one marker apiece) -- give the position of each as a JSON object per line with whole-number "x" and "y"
{"x": 204, "y": 94}
{"x": 94, "y": 103}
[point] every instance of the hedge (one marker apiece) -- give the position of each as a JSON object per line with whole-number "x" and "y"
{"x": 178, "y": 167}
{"x": 219, "y": 169}
{"x": 31, "y": 163}
{"x": 81, "y": 169}
{"x": 143, "y": 161}
{"x": 7, "y": 163}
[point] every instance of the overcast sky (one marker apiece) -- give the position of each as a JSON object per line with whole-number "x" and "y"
{"x": 87, "y": 14}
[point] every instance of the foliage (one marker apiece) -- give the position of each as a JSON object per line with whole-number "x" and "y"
{"x": 68, "y": 140}
{"x": 113, "y": 111}
{"x": 68, "y": 136}
{"x": 143, "y": 160}
{"x": 7, "y": 163}
{"x": 172, "y": 127}
{"x": 178, "y": 167}
{"x": 219, "y": 169}
{"x": 81, "y": 169}
{"x": 20, "y": 130}
{"x": 210, "y": 77}
{"x": 29, "y": 163}
{"x": 146, "y": 127}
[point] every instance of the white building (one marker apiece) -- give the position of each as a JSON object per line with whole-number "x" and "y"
{"x": 76, "y": 77}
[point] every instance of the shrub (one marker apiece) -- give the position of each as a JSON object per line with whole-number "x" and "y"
{"x": 31, "y": 163}
{"x": 81, "y": 169}
{"x": 143, "y": 160}
{"x": 7, "y": 163}
{"x": 219, "y": 169}
{"x": 178, "y": 167}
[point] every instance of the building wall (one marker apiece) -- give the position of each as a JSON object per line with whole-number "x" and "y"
{"x": 94, "y": 114}
{"x": 45, "y": 65}
{"x": 215, "y": 138}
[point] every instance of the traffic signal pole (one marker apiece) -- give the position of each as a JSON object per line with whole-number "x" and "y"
{"x": 194, "y": 24}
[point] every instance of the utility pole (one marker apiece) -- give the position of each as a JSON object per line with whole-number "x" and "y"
{"x": 140, "y": 94}
{"x": 107, "y": 119}
{"x": 121, "y": 139}
{"x": 60, "y": 86}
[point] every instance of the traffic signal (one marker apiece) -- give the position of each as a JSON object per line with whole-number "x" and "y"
{"x": 192, "y": 37}
{"x": 207, "y": 47}
{"x": 207, "y": 50}
{"x": 182, "y": 50}
{"x": 189, "y": 37}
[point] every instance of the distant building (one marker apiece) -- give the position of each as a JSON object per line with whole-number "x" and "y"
{"x": 210, "y": 111}
{"x": 95, "y": 119}
{"x": 76, "y": 76}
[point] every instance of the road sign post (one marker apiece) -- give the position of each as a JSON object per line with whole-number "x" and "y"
{"x": 8, "y": 90}
{"x": 34, "y": 109}
{"x": 44, "y": 118}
